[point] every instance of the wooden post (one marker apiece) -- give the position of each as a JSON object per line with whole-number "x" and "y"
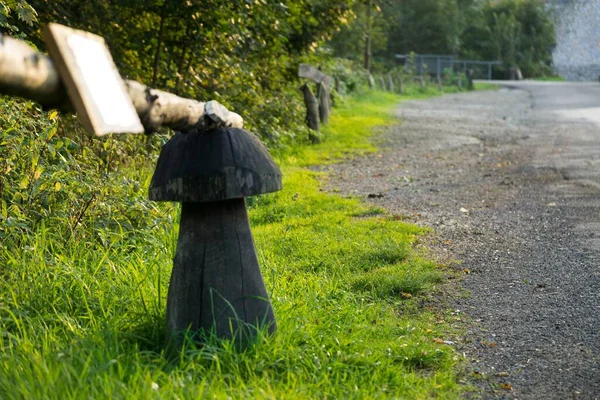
{"x": 400, "y": 84}
{"x": 312, "y": 108}
{"x": 470, "y": 85}
{"x": 459, "y": 80}
{"x": 422, "y": 82}
{"x": 439, "y": 83}
{"x": 216, "y": 285}
{"x": 323, "y": 96}
{"x": 371, "y": 81}
{"x": 391, "y": 83}
{"x": 382, "y": 82}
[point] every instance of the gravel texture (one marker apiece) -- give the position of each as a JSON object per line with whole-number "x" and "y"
{"x": 511, "y": 191}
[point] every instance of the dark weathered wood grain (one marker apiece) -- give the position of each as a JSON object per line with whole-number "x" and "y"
{"x": 312, "y": 108}
{"x": 323, "y": 95}
{"x": 213, "y": 165}
{"x": 216, "y": 285}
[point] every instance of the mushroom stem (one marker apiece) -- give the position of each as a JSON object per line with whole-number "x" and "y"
{"x": 216, "y": 285}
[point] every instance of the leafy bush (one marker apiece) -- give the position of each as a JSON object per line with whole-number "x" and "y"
{"x": 54, "y": 174}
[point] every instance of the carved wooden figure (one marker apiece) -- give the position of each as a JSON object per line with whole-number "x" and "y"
{"x": 216, "y": 285}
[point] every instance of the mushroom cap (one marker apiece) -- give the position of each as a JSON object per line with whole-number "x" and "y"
{"x": 218, "y": 164}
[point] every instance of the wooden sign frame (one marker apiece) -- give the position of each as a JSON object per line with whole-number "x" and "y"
{"x": 92, "y": 80}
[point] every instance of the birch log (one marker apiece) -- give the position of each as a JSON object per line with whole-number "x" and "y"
{"x": 24, "y": 72}
{"x": 27, "y": 73}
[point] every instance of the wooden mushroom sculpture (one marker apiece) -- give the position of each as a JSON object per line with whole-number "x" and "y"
{"x": 216, "y": 285}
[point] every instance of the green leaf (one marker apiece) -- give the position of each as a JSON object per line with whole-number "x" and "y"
{"x": 24, "y": 182}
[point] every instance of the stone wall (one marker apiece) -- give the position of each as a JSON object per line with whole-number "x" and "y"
{"x": 577, "y": 53}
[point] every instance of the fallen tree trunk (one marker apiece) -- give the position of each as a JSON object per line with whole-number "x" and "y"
{"x": 27, "y": 73}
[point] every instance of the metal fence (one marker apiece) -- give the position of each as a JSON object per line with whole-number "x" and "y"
{"x": 435, "y": 64}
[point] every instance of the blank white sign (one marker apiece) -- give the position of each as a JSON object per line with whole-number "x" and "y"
{"x": 93, "y": 83}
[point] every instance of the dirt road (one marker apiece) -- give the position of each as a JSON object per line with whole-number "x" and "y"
{"x": 510, "y": 183}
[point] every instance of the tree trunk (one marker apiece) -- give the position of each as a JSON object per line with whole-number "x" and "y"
{"x": 216, "y": 285}
{"x": 161, "y": 31}
{"x": 180, "y": 64}
{"x": 368, "y": 54}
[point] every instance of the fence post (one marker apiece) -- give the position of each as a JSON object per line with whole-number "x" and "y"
{"x": 470, "y": 85}
{"x": 323, "y": 97}
{"x": 400, "y": 84}
{"x": 312, "y": 108}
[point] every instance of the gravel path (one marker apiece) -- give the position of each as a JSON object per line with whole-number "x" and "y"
{"x": 512, "y": 192}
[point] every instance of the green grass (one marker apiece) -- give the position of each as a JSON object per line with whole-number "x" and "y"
{"x": 485, "y": 86}
{"x": 82, "y": 315}
{"x": 549, "y": 79}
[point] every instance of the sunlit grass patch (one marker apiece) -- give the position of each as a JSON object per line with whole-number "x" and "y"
{"x": 82, "y": 313}
{"x": 400, "y": 280}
